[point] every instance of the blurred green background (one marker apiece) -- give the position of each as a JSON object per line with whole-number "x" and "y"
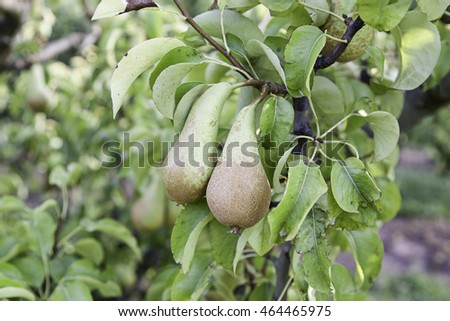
{"x": 61, "y": 138}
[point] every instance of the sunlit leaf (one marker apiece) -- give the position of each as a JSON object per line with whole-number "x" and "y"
{"x": 301, "y": 53}
{"x": 135, "y": 62}
{"x": 304, "y": 187}
{"x": 384, "y": 14}
{"x": 419, "y": 45}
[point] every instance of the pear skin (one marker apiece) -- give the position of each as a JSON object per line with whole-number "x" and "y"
{"x": 186, "y": 169}
{"x": 147, "y": 214}
{"x": 37, "y": 94}
{"x": 238, "y": 192}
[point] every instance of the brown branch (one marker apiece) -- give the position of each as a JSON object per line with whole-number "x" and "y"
{"x": 75, "y": 40}
{"x": 352, "y": 28}
{"x": 133, "y": 5}
{"x": 210, "y": 40}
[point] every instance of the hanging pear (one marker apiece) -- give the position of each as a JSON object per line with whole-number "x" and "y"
{"x": 238, "y": 192}
{"x": 37, "y": 94}
{"x": 147, "y": 213}
{"x": 189, "y": 164}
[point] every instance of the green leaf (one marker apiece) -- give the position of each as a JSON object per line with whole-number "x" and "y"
{"x": 434, "y": 9}
{"x": 304, "y": 187}
{"x": 233, "y": 22}
{"x": 392, "y": 102}
{"x": 10, "y": 247}
{"x": 386, "y": 134}
{"x": 312, "y": 243}
{"x": 242, "y": 242}
{"x": 165, "y": 88}
{"x": 108, "y": 289}
{"x": 352, "y": 185}
{"x": 91, "y": 249}
{"x": 419, "y": 44}
{"x": 135, "y": 62}
{"x": 277, "y": 5}
{"x": 59, "y": 177}
{"x": 32, "y": 270}
{"x": 12, "y": 204}
{"x": 257, "y": 48}
{"x": 383, "y": 15}
{"x": 442, "y": 67}
{"x": 11, "y": 272}
{"x": 160, "y": 286}
{"x": 342, "y": 283}
{"x": 40, "y": 229}
{"x": 182, "y": 54}
{"x": 263, "y": 292}
{"x": 223, "y": 244}
{"x": 318, "y": 17}
{"x": 191, "y": 285}
{"x": 114, "y": 229}
{"x": 276, "y": 120}
{"x": 327, "y": 97}
{"x": 277, "y": 174}
{"x": 185, "y": 105}
{"x": 71, "y": 291}
{"x": 367, "y": 249}
{"x": 11, "y": 292}
{"x": 391, "y": 201}
{"x": 242, "y": 3}
{"x": 375, "y": 59}
{"x": 109, "y": 8}
{"x": 301, "y": 53}
{"x": 260, "y": 237}
{"x": 190, "y": 223}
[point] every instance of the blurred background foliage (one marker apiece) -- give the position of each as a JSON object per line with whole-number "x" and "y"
{"x": 53, "y": 150}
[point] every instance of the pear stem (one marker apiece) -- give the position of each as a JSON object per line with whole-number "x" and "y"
{"x": 210, "y": 40}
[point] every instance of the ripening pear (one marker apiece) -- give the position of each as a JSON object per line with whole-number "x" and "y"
{"x": 336, "y": 28}
{"x": 37, "y": 94}
{"x": 238, "y": 192}
{"x": 147, "y": 213}
{"x": 188, "y": 165}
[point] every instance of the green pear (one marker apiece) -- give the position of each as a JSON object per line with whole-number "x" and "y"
{"x": 188, "y": 165}
{"x": 238, "y": 192}
{"x": 336, "y": 28}
{"x": 37, "y": 94}
{"x": 147, "y": 214}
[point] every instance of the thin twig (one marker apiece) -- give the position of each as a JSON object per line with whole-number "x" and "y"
{"x": 353, "y": 26}
{"x": 75, "y": 40}
{"x": 210, "y": 40}
{"x": 133, "y": 5}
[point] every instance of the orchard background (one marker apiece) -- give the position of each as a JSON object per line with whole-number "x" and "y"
{"x": 80, "y": 222}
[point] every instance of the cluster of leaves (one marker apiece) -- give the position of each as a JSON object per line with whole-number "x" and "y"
{"x": 65, "y": 228}
{"x": 323, "y": 209}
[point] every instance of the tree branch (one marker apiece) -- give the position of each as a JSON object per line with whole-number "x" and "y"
{"x": 352, "y": 28}
{"x": 302, "y": 124}
{"x": 75, "y": 40}
{"x": 210, "y": 40}
{"x": 134, "y": 5}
